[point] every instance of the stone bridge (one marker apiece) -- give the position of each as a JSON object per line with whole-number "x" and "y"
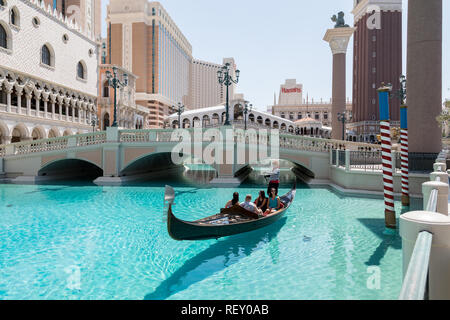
{"x": 115, "y": 156}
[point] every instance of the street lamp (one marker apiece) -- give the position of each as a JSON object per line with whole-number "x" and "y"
{"x": 226, "y": 79}
{"x": 245, "y": 113}
{"x": 401, "y": 93}
{"x": 115, "y": 83}
{"x": 94, "y": 122}
{"x": 344, "y": 117}
{"x": 179, "y": 110}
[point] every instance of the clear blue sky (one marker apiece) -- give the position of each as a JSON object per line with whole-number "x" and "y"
{"x": 274, "y": 40}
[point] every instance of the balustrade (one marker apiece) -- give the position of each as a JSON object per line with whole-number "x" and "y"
{"x": 286, "y": 140}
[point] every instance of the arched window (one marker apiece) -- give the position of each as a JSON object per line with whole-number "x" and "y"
{"x": 3, "y": 37}
{"x": 106, "y": 89}
{"x": 80, "y": 70}
{"x": 14, "y": 17}
{"x": 46, "y": 55}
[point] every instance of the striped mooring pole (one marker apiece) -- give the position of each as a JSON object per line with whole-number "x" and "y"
{"x": 386, "y": 153}
{"x": 404, "y": 154}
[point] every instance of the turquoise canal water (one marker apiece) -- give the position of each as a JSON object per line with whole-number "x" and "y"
{"x": 89, "y": 242}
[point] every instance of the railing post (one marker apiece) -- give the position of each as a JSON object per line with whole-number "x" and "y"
{"x": 331, "y": 156}
{"x": 440, "y": 166}
{"x": 112, "y": 134}
{"x": 413, "y": 223}
{"x": 347, "y": 160}
{"x": 337, "y": 158}
{"x": 152, "y": 136}
{"x": 9, "y": 149}
{"x": 442, "y": 200}
{"x": 71, "y": 142}
{"x": 439, "y": 176}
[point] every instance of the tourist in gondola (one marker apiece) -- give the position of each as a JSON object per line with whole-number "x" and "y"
{"x": 250, "y": 206}
{"x": 261, "y": 201}
{"x": 274, "y": 202}
{"x": 234, "y": 201}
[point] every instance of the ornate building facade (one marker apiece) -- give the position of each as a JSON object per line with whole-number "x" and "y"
{"x": 48, "y": 80}
{"x": 129, "y": 114}
{"x": 86, "y": 13}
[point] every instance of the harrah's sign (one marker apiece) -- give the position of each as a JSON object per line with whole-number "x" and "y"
{"x": 293, "y": 90}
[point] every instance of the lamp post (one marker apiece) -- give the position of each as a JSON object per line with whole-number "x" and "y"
{"x": 115, "y": 83}
{"x": 179, "y": 110}
{"x": 404, "y": 153}
{"x": 344, "y": 117}
{"x": 94, "y": 122}
{"x": 226, "y": 79}
{"x": 245, "y": 113}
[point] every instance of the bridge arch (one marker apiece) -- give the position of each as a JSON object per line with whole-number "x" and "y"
{"x": 70, "y": 167}
{"x": 157, "y": 161}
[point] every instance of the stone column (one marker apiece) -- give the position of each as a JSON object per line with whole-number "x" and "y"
{"x": 67, "y": 104}
{"x": 338, "y": 39}
{"x": 19, "y": 91}
{"x": 9, "y": 89}
{"x": 424, "y": 75}
{"x": 53, "y": 100}
{"x": 28, "y": 96}
{"x": 80, "y": 112}
{"x": 37, "y": 96}
{"x": 61, "y": 105}
{"x": 45, "y": 98}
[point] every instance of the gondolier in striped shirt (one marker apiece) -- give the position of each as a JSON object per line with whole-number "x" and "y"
{"x": 274, "y": 177}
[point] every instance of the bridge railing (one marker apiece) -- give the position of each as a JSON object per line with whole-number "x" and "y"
{"x": 286, "y": 140}
{"x": 368, "y": 161}
{"x": 53, "y": 144}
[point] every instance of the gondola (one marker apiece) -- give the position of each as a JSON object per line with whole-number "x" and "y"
{"x": 228, "y": 222}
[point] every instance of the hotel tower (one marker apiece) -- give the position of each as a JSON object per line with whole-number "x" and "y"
{"x": 144, "y": 39}
{"x": 377, "y": 58}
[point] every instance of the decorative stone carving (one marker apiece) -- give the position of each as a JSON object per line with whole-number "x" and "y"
{"x": 340, "y": 21}
{"x": 338, "y": 39}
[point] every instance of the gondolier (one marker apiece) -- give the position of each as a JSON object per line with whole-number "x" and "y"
{"x": 274, "y": 177}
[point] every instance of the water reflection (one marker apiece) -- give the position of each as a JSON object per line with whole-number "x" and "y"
{"x": 217, "y": 257}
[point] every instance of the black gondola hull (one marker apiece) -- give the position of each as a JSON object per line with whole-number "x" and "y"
{"x": 184, "y": 230}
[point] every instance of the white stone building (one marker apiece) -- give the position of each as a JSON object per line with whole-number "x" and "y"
{"x": 48, "y": 73}
{"x": 215, "y": 116}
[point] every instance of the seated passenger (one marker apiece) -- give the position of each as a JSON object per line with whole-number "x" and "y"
{"x": 234, "y": 201}
{"x": 274, "y": 203}
{"x": 250, "y": 206}
{"x": 261, "y": 201}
